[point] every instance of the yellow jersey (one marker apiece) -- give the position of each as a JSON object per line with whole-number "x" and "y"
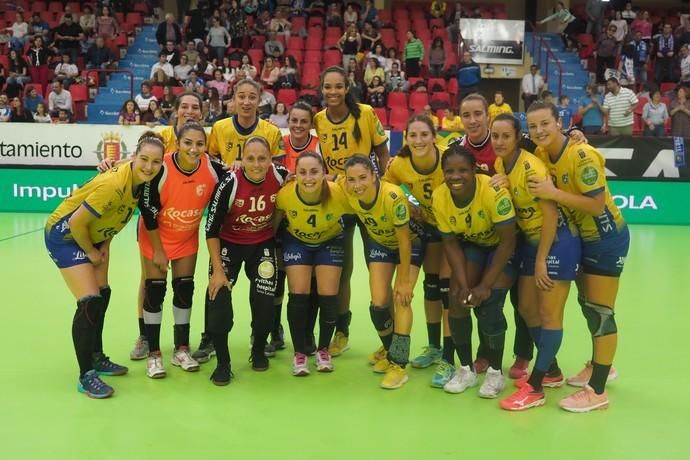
{"x": 108, "y": 196}
{"x": 313, "y": 223}
{"x": 227, "y": 138}
{"x": 452, "y": 124}
{"x": 388, "y": 212}
{"x": 579, "y": 169}
{"x": 402, "y": 171}
{"x": 476, "y": 221}
{"x": 169, "y": 136}
{"x": 338, "y": 143}
{"x": 496, "y": 110}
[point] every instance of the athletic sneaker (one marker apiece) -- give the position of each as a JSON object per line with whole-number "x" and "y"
{"x": 548, "y": 381}
{"x": 395, "y": 377}
{"x": 182, "y": 358}
{"x": 93, "y": 387}
{"x": 140, "y": 350}
{"x": 278, "y": 338}
{"x": 259, "y": 361}
{"x": 444, "y": 372}
{"x": 222, "y": 376}
{"x": 582, "y": 377}
{"x": 481, "y": 365}
{"x": 323, "y": 361}
{"x": 519, "y": 368}
{"x": 104, "y": 366}
{"x": 339, "y": 344}
{"x": 494, "y": 383}
{"x": 463, "y": 379}
{"x": 205, "y": 351}
{"x": 378, "y": 355}
{"x": 269, "y": 350}
{"x": 300, "y": 365}
{"x": 523, "y": 399}
{"x": 430, "y": 355}
{"x": 382, "y": 366}
{"x": 585, "y": 400}
{"x": 154, "y": 366}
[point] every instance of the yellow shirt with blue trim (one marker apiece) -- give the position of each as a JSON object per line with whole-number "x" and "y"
{"x": 452, "y": 124}
{"x": 169, "y": 139}
{"x": 476, "y": 221}
{"x": 108, "y": 196}
{"x": 337, "y": 141}
{"x": 227, "y": 138}
{"x": 388, "y": 212}
{"x": 313, "y": 223}
{"x": 402, "y": 171}
{"x": 496, "y": 110}
{"x": 579, "y": 169}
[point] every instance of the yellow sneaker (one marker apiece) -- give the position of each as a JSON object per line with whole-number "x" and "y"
{"x": 382, "y": 366}
{"x": 339, "y": 345}
{"x": 395, "y": 377}
{"x": 378, "y": 355}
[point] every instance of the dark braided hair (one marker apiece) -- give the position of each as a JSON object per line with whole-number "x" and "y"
{"x": 350, "y": 100}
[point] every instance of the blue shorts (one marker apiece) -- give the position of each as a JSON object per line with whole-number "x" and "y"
{"x": 483, "y": 255}
{"x": 375, "y": 252}
{"x": 427, "y": 232}
{"x": 606, "y": 257}
{"x": 563, "y": 260}
{"x": 296, "y": 252}
{"x": 65, "y": 253}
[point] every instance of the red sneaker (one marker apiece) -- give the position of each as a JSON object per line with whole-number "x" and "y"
{"x": 523, "y": 399}
{"x": 519, "y": 368}
{"x": 481, "y": 365}
{"x": 547, "y": 381}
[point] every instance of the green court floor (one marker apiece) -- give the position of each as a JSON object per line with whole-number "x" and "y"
{"x": 340, "y": 415}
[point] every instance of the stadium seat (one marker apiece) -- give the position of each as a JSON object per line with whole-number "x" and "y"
{"x": 287, "y": 96}
{"x": 315, "y": 42}
{"x": 437, "y": 81}
{"x": 298, "y": 23}
{"x": 315, "y": 21}
{"x": 177, "y": 90}
{"x": 295, "y": 43}
{"x": 383, "y": 115}
{"x": 398, "y": 118}
{"x": 332, "y": 57}
{"x": 37, "y": 86}
{"x": 385, "y": 17}
{"x": 312, "y": 56}
{"x": 297, "y": 54}
{"x": 79, "y": 92}
{"x": 417, "y": 101}
{"x": 441, "y": 97}
{"x": 157, "y": 91}
{"x": 397, "y": 99}
{"x": 667, "y": 87}
{"x": 452, "y": 87}
{"x": 256, "y": 56}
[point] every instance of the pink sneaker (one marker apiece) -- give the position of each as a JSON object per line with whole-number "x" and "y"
{"x": 519, "y": 368}
{"x": 585, "y": 400}
{"x": 481, "y": 365}
{"x": 300, "y": 365}
{"x": 547, "y": 381}
{"x": 582, "y": 377}
{"x": 323, "y": 361}
{"x": 523, "y": 399}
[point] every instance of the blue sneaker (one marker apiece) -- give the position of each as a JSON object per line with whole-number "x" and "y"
{"x": 92, "y": 385}
{"x": 104, "y": 366}
{"x": 444, "y": 372}
{"x": 429, "y": 356}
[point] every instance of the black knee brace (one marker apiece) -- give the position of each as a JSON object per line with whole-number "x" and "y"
{"x": 220, "y": 314}
{"x": 328, "y": 308}
{"x": 154, "y": 294}
{"x": 90, "y": 310}
{"x": 490, "y": 318}
{"x": 183, "y": 291}
{"x": 432, "y": 288}
{"x": 444, "y": 287}
{"x": 601, "y": 319}
{"x": 381, "y": 317}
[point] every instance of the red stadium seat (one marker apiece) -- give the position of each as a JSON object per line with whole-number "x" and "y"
{"x": 441, "y": 97}
{"x": 157, "y": 91}
{"x": 398, "y": 118}
{"x": 258, "y": 42}
{"x": 397, "y": 99}
{"x": 383, "y": 115}
{"x": 79, "y": 92}
{"x": 315, "y": 42}
{"x": 437, "y": 22}
{"x": 388, "y": 38}
{"x": 452, "y": 87}
{"x": 4, "y": 61}
{"x": 385, "y": 17}
{"x": 418, "y": 100}
{"x": 331, "y": 42}
{"x": 177, "y": 90}
{"x": 312, "y": 56}
{"x": 437, "y": 82}
{"x": 256, "y": 56}
{"x": 287, "y": 96}
{"x": 298, "y": 23}
{"x": 36, "y": 86}
{"x": 134, "y": 18}
{"x": 295, "y": 43}
{"x": 316, "y": 21}
{"x": 297, "y": 54}
{"x": 332, "y": 57}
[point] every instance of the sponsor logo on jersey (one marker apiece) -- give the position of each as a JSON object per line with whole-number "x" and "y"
{"x": 239, "y": 202}
{"x": 504, "y": 206}
{"x": 377, "y": 254}
{"x": 185, "y": 216}
{"x": 292, "y": 256}
{"x": 266, "y": 269}
{"x": 589, "y": 175}
{"x": 256, "y": 221}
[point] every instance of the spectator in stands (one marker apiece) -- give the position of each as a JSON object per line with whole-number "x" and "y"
{"x": 264, "y": 6}
{"x": 20, "y": 30}
{"x": 665, "y": 51}
{"x": 299, "y": 8}
{"x": 429, "y": 113}
{"x": 191, "y": 52}
{"x": 99, "y": 56}
{"x": 167, "y": 103}
{"x": 218, "y": 39}
{"x": 288, "y": 75}
{"x": 17, "y": 74}
{"x": 499, "y": 106}
{"x": 391, "y": 58}
{"x": 5, "y": 109}
{"x": 370, "y": 37}
{"x": 247, "y": 67}
{"x": 203, "y": 67}
{"x": 38, "y": 27}
{"x": 172, "y": 54}
{"x": 129, "y": 113}
{"x": 591, "y": 113}
{"x": 621, "y": 29}
{"x": 532, "y": 85}
{"x": 350, "y": 15}
{"x": 573, "y": 25}
{"x": 605, "y": 53}
{"x": 469, "y": 76}
{"x": 273, "y": 47}
{"x": 349, "y": 44}
{"x": 212, "y": 109}
{"x": 59, "y": 99}
{"x": 644, "y": 26}
{"x": 628, "y": 13}
{"x": 378, "y": 53}
{"x": 595, "y": 12}
{"x": 640, "y": 57}
{"x": 3, "y": 75}
{"x": 413, "y": 54}
{"x": 333, "y": 16}
{"x": 269, "y": 73}
{"x": 370, "y": 14}
{"x": 168, "y": 31}
{"x": 395, "y": 79}
{"x": 64, "y": 116}
{"x": 194, "y": 82}
{"x": 41, "y": 115}
{"x": 144, "y": 97}
{"x": 162, "y": 71}
{"x": 68, "y": 11}
{"x": 261, "y": 25}
{"x": 372, "y": 70}
{"x": 39, "y": 58}
{"x": 376, "y": 92}
{"x": 453, "y": 22}
{"x": 685, "y": 65}
{"x": 654, "y": 116}
{"x": 87, "y": 21}
{"x": 619, "y": 106}
{"x": 626, "y": 66}
{"x": 32, "y": 99}
{"x": 149, "y": 114}
{"x": 356, "y": 85}
{"x": 219, "y": 83}
{"x": 158, "y": 119}
{"x": 547, "y": 97}
{"x": 68, "y": 37}
{"x": 267, "y": 103}
{"x": 279, "y": 117}
{"x": 66, "y": 71}
{"x": 680, "y": 113}
{"x": 451, "y": 121}
{"x": 227, "y": 70}
{"x": 438, "y": 9}
{"x": 437, "y": 58}
{"x": 565, "y": 112}
{"x": 237, "y": 25}
{"x": 19, "y": 113}
{"x": 280, "y": 25}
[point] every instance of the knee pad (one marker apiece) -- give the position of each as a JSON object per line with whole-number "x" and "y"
{"x": 444, "y": 288}
{"x": 432, "y": 288}
{"x": 154, "y": 295}
{"x": 381, "y": 317}
{"x": 105, "y": 293}
{"x": 601, "y": 320}
{"x": 490, "y": 318}
{"x": 328, "y": 305}
{"x": 280, "y": 286}
{"x": 90, "y": 309}
{"x": 219, "y": 311}
{"x": 183, "y": 292}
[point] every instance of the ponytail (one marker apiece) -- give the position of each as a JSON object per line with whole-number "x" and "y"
{"x": 350, "y": 100}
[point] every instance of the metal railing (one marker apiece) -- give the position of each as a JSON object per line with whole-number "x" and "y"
{"x": 545, "y": 51}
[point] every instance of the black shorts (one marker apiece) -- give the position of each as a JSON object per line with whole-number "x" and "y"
{"x": 260, "y": 264}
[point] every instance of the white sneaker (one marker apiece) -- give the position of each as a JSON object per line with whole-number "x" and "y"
{"x": 323, "y": 361}
{"x": 182, "y": 358}
{"x": 154, "y": 366}
{"x": 494, "y": 382}
{"x": 300, "y": 365}
{"x": 463, "y": 379}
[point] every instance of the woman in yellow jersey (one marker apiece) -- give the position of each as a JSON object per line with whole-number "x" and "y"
{"x": 477, "y": 222}
{"x": 391, "y": 249}
{"x": 580, "y": 186}
{"x": 229, "y": 135}
{"x": 452, "y": 121}
{"x": 418, "y": 167}
{"x": 77, "y": 236}
{"x": 550, "y": 250}
{"x": 346, "y": 128}
{"x": 312, "y": 244}
{"x": 187, "y": 108}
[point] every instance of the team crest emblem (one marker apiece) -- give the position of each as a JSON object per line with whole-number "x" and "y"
{"x": 200, "y": 189}
{"x": 239, "y": 202}
{"x": 481, "y": 214}
{"x": 527, "y": 166}
{"x": 329, "y": 216}
{"x": 564, "y": 179}
{"x": 293, "y": 214}
{"x": 452, "y": 220}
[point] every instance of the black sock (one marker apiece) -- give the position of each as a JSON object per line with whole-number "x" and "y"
{"x": 554, "y": 369}
{"x": 461, "y": 331}
{"x": 105, "y": 293}
{"x": 494, "y": 350}
{"x": 220, "y": 343}
{"x": 342, "y": 323}
{"x": 600, "y": 372}
{"x": 276, "y": 319}
{"x": 312, "y": 316}
{"x": 84, "y": 331}
{"x": 434, "y": 332}
{"x": 297, "y": 313}
{"x": 523, "y": 345}
{"x": 142, "y": 327}
{"x": 181, "y": 334}
{"x": 536, "y": 378}
{"x": 448, "y": 350}
{"x": 153, "y": 335}
{"x": 386, "y": 340}
{"x": 328, "y": 307}
{"x": 482, "y": 352}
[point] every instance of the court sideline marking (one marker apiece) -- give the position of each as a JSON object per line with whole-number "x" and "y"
{"x": 20, "y": 234}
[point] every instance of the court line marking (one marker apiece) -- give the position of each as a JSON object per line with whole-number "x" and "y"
{"x": 20, "y": 234}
